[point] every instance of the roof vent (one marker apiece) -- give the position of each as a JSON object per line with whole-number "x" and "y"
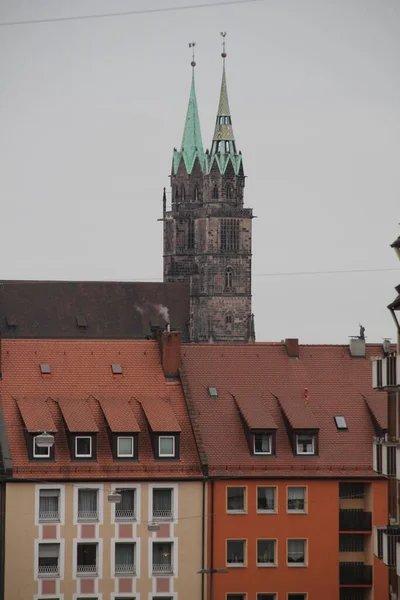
{"x": 357, "y": 347}
{"x": 81, "y": 321}
{"x": 212, "y": 392}
{"x": 45, "y": 369}
{"x": 116, "y": 369}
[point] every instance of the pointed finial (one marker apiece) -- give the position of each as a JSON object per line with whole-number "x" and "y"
{"x": 192, "y": 45}
{"x": 223, "y": 35}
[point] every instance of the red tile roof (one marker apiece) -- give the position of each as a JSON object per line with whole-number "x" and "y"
{"x": 378, "y": 410}
{"x": 119, "y": 415}
{"x": 159, "y": 415}
{"x": 81, "y": 373}
{"x": 256, "y": 415}
{"x": 335, "y": 384}
{"x": 297, "y": 411}
{"x": 36, "y": 415}
{"x": 77, "y": 416}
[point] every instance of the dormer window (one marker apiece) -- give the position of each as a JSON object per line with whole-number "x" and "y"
{"x": 305, "y": 443}
{"x": 83, "y": 446}
{"x": 262, "y": 443}
{"x": 40, "y": 451}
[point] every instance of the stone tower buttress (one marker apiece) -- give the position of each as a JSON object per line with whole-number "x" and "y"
{"x": 207, "y": 231}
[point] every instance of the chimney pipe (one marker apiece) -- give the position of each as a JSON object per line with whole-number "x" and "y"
{"x": 292, "y": 347}
{"x": 169, "y": 343}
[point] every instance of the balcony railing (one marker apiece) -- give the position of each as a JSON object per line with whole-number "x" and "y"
{"x": 49, "y": 515}
{"x": 48, "y": 571}
{"x": 355, "y": 519}
{"x": 125, "y": 569}
{"x": 390, "y": 538}
{"x": 386, "y": 372}
{"x": 355, "y": 573}
{"x": 165, "y": 569}
{"x": 88, "y": 515}
{"x": 86, "y": 569}
{"x": 162, "y": 515}
{"x": 125, "y": 515}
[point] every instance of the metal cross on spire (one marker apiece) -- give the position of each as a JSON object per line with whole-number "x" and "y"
{"x": 223, "y": 35}
{"x": 192, "y": 45}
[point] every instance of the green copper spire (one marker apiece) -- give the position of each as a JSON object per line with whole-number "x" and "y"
{"x": 192, "y": 145}
{"x": 223, "y": 148}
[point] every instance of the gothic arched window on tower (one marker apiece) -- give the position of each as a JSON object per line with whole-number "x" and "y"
{"x": 229, "y": 235}
{"x": 176, "y": 193}
{"x": 226, "y": 146}
{"x": 215, "y": 193}
{"x": 228, "y": 320}
{"x": 196, "y": 194}
{"x": 228, "y": 278}
{"x": 229, "y": 193}
{"x": 190, "y": 234}
{"x": 183, "y": 194}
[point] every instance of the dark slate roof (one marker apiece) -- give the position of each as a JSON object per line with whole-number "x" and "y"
{"x": 91, "y": 309}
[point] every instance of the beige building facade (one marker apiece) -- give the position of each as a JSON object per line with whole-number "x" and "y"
{"x": 67, "y": 541}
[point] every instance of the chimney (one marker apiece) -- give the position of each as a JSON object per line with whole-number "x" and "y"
{"x": 292, "y": 347}
{"x": 170, "y": 350}
{"x": 357, "y": 347}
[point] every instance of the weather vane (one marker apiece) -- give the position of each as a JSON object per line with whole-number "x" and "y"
{"x": 192, "y": 45}
{"x": 223, "y": 35}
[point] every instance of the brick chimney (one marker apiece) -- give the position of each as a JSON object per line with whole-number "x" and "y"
{"x": 292, "y": 347}
{"x": 170, "y": 350}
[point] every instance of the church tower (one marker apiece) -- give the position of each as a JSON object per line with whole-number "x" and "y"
{"x": 207, "y": 231}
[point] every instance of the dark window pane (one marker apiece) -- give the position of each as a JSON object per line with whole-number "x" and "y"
{"x": 235, "y": 551}
{"x": 266, "y": 551}
{"x": 235, "y": 498}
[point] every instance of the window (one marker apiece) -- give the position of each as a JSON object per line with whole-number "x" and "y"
{"x": 266, "y": 499}
{"x": 116, "y": 369}
{"x": 228, "y": 320}
{"x": 266, "y": 596}
{"x": 236, "y": 597}
{"x": 45, "y": 369}
{"x": 266, "y": 553}
{"x": 125, "y": 510}
{"x": 305, "y": 444}
{"x": 166, "y": 446}
{"x": 125, "y": 447}
{"x": 340, "y": 423}
{"x": 190, "y": 234}
{"x": 235, "y": 553}
{"x": 229, "y": 234}
{"x": 228, "y": 278}
{"x": 212, "y": 392}
{"x": 86, "y": 559}
{"x": 196, "y": 194}
{"x": 262, "y": 443}
{"x": 296, "y": 553}
{"x": 297, "y": 596}
{"x": 48, "y": 565}
{"x": 162, "y": 558}
{"x": 183, "y": 194}
{"x": 227, "y": 147}
{"x": 87, "y": 504}
{"x": 296, "y": 499}
{"x": 124, "y": 558}
{"x": 215, "y": 190}
{"x": 49, "y": 505}
{"x": 40, "y": 452}
{"x": 235, "y": 499}
{"x": 162, "y": 504}
{"x": 83, "y": 446}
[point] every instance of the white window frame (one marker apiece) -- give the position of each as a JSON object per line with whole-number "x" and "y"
{"x": 126, "y": 437}
{"x": 48, "y": 455}
{"x": 85, "y": 437}
{"x": 300, "y": 452}
{"x": 158, "y": 486}
{"x": 166, "y": 437}
{"x": 269, "y": 436}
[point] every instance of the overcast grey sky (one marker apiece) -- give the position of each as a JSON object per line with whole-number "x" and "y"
{"x": 91, "y": 110}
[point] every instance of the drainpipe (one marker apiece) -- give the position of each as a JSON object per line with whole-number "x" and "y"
{"x": 2, "y": 536}
{"x": 212, "y": 543}
{"x": 203, "y": 540}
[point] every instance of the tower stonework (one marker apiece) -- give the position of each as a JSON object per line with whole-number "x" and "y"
{"x": 207, "y": 231}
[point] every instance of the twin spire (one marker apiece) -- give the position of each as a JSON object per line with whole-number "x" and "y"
{"x": 223, "y": 146}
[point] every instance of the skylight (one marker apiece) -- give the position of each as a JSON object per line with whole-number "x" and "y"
{"x": 116, "y": 369}
{"x": 340, "y": 422}
{"x": 212, "y": 392}
{"x": 45, "y": 368}
{"x": 81, "y": 321}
